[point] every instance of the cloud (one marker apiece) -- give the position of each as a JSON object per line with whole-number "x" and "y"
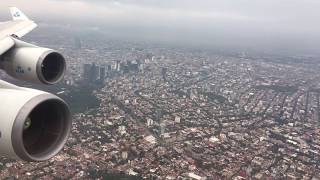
{"x": 142, "y": 10}
{"x": 221, "y": 21}
{"x": 295, "y": 14}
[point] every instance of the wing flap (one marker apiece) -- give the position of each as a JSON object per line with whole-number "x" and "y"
{"x": 25, "y": 30}
{"x": 18, "y": 28}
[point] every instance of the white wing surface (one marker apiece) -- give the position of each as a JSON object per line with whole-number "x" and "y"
{"x": 18, "y": 27}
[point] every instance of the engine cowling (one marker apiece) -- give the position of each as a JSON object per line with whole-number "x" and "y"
{"x": 34, "y": 126}
{"x": 34, "y": 64}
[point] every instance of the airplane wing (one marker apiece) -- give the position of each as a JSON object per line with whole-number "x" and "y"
{"x": 34, "y": 125}
{"x": 18, "y": 27}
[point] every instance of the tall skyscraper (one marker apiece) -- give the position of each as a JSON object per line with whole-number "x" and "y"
{"x": 102, "y": 73}
{"x": 162, "y": 124}
{"x": 86, "y": 71}
{"x": 94, "y": 72}
{"x": 164, "y": 73}
{"x": 118, "y": 66}
{"x": 90, "y": 72}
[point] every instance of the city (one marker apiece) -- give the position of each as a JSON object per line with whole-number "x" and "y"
{"x": 177, "y": 113}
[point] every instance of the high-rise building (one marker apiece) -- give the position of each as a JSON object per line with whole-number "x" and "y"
{"x": 162, "y": 129}
{"x": 133, "y": 66}
{"x": 149, "y": 122}
{"x": 94, "y": 72}
{"x": 118, "y": 66}
{"x": 164, "y": 73}
{"x": 141, "y": 68}
{"x": 162, "y": 124}
{"x": 124, "y": 67}
{"x": 138, "y": 61}
{"x": 90, "y": 72}
{"x": 102, "y": 73}
{"x": 86, "y": 71}
{"x": 149, "y": 56}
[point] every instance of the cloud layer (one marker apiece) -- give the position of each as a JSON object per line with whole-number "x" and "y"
{"x": 241, "y": 22}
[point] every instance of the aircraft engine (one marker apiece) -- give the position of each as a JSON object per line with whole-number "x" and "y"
{"x": 34, "y": 125}
{"x": 34, "y": 64}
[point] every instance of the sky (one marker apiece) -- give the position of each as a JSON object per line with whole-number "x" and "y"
{"x": 262, "y": 24}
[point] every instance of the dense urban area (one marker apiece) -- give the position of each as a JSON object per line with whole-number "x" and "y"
{"x": 158, "y": 112}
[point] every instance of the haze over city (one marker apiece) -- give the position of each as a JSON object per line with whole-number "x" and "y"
{"x": 160, "y": 89}
{"x": 288, "y": 26}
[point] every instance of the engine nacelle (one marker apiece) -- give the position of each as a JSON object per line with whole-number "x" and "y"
{"x": 34, "y": 125}
{"x": 34, "y": 64}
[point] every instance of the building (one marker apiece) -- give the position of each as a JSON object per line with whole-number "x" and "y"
{"x": 90, "y": 72}
{"x": 164, "y": 73}
{"x": 102, "y": 73}
{"x": 118, "y": 66}
{"x": 86, "y": 70}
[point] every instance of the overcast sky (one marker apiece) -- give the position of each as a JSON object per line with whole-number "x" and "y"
{"x": 292, "y": 24}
